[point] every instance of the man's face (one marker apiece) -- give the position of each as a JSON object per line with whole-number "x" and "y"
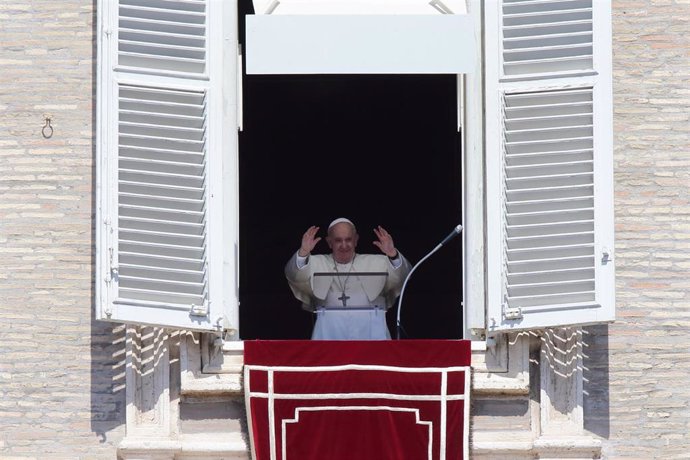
{"x": 342, "y": 239}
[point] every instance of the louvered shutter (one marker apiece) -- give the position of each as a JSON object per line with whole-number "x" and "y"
{"x": 161, "y": 155}
{"x": 549, "y": 163}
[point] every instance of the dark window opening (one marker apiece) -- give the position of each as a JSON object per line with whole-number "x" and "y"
{"x": 377, "y": 149}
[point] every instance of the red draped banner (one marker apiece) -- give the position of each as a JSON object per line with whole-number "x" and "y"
{"x": 354, "y": 400}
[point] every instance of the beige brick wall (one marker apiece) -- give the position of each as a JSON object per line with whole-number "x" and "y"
{"x": 639, "y": 376}
{"x": 61, "y": 372}
{"x": 61, "y": 375}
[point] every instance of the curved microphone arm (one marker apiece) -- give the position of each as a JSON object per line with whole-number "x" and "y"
{"x": 456, "y": 231}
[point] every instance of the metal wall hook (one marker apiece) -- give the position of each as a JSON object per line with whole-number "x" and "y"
{"x": 47, "y": 129}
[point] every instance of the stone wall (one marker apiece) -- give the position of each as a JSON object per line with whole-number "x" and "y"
{"x": 638, "y": 368}
{"x": 61, "y": 372}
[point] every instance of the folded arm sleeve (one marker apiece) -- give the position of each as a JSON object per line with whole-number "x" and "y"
{"x": 299, "y": 279}
{"x": 396, "y": 278}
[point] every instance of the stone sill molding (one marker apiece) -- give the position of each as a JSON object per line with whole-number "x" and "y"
{"x": 187, "y": 447}
{"x": 500, "y": 368}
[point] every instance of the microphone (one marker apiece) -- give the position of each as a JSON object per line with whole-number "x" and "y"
{"x": 455, "y": 232}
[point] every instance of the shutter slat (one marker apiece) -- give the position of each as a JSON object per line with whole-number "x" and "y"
{"x": 163, "y": 29}
{"x": 144, "y": 177}
{"x": 143, "y": 97}
{"x": 174, "y": 286}
{"x": 163, "y": 262}
{"x": 549, "y": 287}
{"x": 548, "y": 65}
{"x": 166, "y": 299}
{"x": 550, "y": 146}
{"x": 162, "y": 274}
{"x": 155, "y": 49}
{"x": 549, "y": 158}
{"x": 546, "y": 241}
{"x": 180, "y": 145}
{"x": 542, "y": 254}
{"x": 141, "y": 279}
{"x": 163, "y": 190}
{"x": 160, "y": 108}
{"x": 182, "y": 121}
{"x": 549, "y": 110}
{"x": 162, "y": 14}
{"x": 160, "y": 250}
{"x": 549, "y": 16}
{"x": 541, "y": 206}
{"x": 146, "y": 36}
{"x": 550, "y": 217}
{"x": 162, "y": 215}
{"x": 555, "y": 39}
{"x": 181, "y": 228}
{"x": 162, "y": 202}
{"x": 538, "y": 5}
{"x": 513, "y": 231}
{"x": 555, "y": 28}
{"x": 534, "y": 100}
{"x": 529, "y": 124}
{"x": 559, "y": 263}
{"x": 162, "y": 167}
{"x": 158, "y": 132}
{"x": 177, "y": 240}
{"x": 161, "y": 63}
{"x": 183, "y": 5}
{"x": 552, "y": 276}
{"x": 161, "y": 154}
{"x": 563, "y": 300}
{"x": 538, "y": 52}
{"x": 542, "y": 170}
{"x": 537, "y": 181}
{"x": 537, "y": 193}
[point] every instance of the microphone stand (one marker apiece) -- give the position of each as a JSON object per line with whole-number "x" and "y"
{"x": 456, "y": 231}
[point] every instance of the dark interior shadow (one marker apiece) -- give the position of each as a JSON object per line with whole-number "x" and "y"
{"x": 107, "y": 348}
{"x": 596, "y": 381}
{"x": 379, "y": 149}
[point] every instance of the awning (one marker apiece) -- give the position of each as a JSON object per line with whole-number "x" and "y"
{"x": 365, "y": 37}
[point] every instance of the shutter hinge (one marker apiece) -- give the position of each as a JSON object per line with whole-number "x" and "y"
{"x": 512, "y": 313}
{"x": 605, "y": 256}
{"x": 113, "y": 273}
{"x": 199, "y": 310}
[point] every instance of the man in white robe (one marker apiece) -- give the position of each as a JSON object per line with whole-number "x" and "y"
{"x": 349, "y": 292}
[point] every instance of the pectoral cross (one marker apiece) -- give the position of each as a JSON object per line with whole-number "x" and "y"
{"x": 344, "y": 298}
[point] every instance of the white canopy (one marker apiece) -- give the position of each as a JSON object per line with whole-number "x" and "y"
{"x": 360, "y": 37}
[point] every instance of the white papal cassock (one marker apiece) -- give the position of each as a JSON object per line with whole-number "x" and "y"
{"x": 351, "y": 305}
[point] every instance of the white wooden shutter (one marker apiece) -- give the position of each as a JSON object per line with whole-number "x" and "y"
{"x": 549, "y": 163}
{"x": 160, "y": 166}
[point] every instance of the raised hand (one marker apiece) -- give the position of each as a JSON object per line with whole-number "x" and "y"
{"x": 385, "y": 242}
{"x": 309, "y": 241}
